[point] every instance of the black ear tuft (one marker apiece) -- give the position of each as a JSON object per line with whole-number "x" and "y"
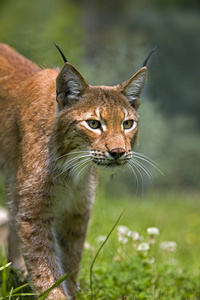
{"x": 64, "y": 58}
{"x": 148, "y": 56}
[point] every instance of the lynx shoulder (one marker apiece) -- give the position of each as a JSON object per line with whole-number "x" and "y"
{"x": 56, "y": 132}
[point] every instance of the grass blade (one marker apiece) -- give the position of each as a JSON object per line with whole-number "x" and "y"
{"x": 93, "y": 262}
{"x": 10, "y": 294}
{"x": 20, "y": 287}
{"x": 60, "y": 280}
{"x": 4, "y": 276}
{"x": 5, "y": 266}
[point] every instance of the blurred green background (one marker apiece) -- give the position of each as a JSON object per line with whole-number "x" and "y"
{"x": 108, "y": 42}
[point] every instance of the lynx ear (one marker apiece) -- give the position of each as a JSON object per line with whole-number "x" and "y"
{"x": 132, "y": 88}
{"x": 70, "y": 84}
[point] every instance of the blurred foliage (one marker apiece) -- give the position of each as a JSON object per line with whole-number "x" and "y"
{"x": 108, "y": 41}
{"x": 32, "y": 26}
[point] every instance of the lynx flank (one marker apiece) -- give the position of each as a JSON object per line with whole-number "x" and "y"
{"x": 56, "y": 131}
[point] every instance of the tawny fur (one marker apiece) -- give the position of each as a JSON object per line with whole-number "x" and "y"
{"x": 44, "y": 121}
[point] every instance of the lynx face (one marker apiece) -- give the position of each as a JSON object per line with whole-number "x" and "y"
{"x": 99, "y": 123}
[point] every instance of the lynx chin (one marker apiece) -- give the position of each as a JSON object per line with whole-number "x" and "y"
{"x": 56, "y": 131}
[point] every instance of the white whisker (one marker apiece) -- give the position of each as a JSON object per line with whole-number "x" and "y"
{"x": 71, "y": 153}
{"x": 79, "y": 164}
{"x": 138, "y": 165}
{"x": 84, "y": 168}
{"x": 135, "y": 174}
{"x": 137, "y": 168}
{"x": 58, "y": 175}
{"x": 74, "y": 159}
{"x": 143, "y": 167}
{"x": 146, "y": 159}
{"x": 72, "y": 164}
{"x": 144, "y": 156}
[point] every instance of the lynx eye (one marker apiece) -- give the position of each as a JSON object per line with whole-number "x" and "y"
{"x": 128, "y": 124}
{"x": 94, "y": 124}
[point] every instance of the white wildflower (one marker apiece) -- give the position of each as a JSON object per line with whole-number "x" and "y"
{"x": 151, "y": 260}
{"x": 122, "y": 239}
{"x": 87, "y": 246}
{"x": 122, "y": 230}
{"x": 117, "y": 258}
{"x": 134, "y": 235}
{"x": 122, "y": 234}
{"x": 169, "y": 246}
{"x": 3, "y": 216}
{"x": 143, "y": 247}
{"x": 152, "y": 231}
{"x": 101, "y": 238}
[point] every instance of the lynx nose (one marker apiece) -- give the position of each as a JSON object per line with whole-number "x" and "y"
{"x": 117, "y": 152}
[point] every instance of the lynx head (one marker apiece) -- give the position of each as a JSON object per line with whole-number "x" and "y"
{"x": 96, "y": 125}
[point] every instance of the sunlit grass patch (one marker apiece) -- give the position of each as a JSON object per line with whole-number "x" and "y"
{"x": 147, "y": 256}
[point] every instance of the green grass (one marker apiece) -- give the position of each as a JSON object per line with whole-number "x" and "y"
{"x": 120, "y": 270}
{"x": 172, "y": 275}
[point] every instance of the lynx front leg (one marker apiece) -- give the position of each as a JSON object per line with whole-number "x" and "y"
{"x": 34, "y": 223}
{"x": 14, "y": 249}
{"x": 71, "y": 235}
{"x": 35, "y": 215}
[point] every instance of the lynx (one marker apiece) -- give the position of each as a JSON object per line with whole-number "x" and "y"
{"x": 56, "y": 132}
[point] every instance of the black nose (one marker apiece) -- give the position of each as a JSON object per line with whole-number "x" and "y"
{"x": 117, "y": 152}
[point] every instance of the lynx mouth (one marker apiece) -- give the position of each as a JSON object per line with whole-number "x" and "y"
{"x": 108, "y": 168}
{"x": 110, "y": 160}
{"x": 105, "y": 163}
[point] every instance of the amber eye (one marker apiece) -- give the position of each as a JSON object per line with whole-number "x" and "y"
{"x": 94, "y": 124}
{"x": 128, "y": 124}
